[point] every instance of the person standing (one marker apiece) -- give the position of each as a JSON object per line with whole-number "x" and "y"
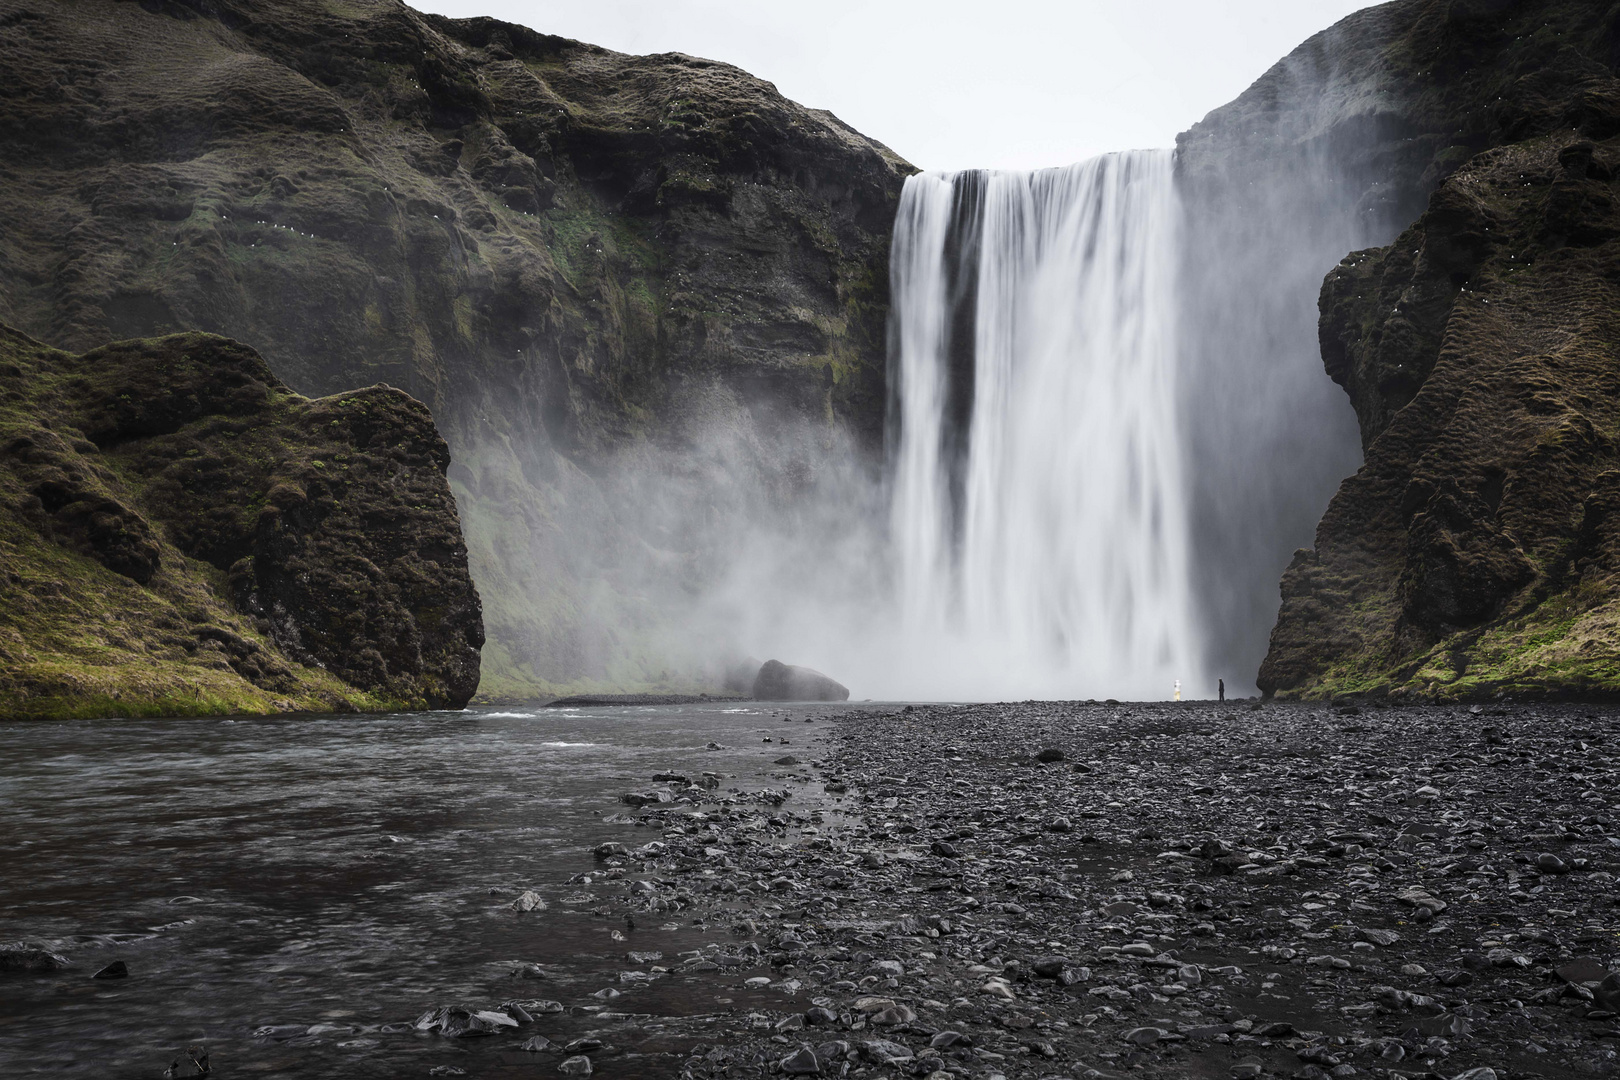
{"x": 1221, "y": 684}
{"x": 1178, "y": 689}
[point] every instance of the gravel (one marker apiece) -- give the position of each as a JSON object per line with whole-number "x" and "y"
{"x": 1075, "y": 890}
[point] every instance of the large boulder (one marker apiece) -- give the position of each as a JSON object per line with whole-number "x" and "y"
{"x": 777, "y": 681}
{"x": 255, "y": 550}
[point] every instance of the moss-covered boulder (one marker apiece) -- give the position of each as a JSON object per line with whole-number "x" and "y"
{"x": 184, "y": 534}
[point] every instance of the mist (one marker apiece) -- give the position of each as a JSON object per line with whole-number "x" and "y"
{"x": 1108, "y": 430}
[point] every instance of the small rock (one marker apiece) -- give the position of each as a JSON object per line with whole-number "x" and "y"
{"x": 115, "y": 970}
{"x": 882, "y": 1051}
{"x": 579, "y": 1065}
{"x": 528, "y": 900}
{"x": 1583, "y": 969}
{"x": 1142, "y": 1036}
{"x": 802, "y": 1062}
{"x": 1049, "y": 755}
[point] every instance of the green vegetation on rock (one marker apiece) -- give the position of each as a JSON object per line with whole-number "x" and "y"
{"x": 185, "y": 535}
{"x": 575, "y": 258}
{"x": 1477, "y": 552}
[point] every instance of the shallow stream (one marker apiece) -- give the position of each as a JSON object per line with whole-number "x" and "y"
{"x": 342, "y": 871}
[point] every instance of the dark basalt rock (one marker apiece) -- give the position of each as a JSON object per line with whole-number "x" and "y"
{"x": 572, "y": 256}
{"x": 777, "y": 681}
{"x": 30, "y": 960}
{"x": 263, "y": 539}
{"x": 1341, "y": 146}
{"x": 1475, "y": 552}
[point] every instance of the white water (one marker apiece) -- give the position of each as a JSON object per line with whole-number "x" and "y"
{"x": 1050, "y": 556}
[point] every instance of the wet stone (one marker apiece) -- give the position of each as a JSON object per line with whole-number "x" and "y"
{"x": 1284, "y": 899}
{"x": 802, "y": 1062}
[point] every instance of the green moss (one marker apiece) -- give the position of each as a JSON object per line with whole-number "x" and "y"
{"x": 84, "y": 635}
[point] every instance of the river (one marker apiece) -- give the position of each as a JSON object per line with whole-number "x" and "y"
{"x": 327, "y": 876}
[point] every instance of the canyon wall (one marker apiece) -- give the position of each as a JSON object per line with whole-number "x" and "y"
{"x": 644, "y": 297}
{"x": 1337, "y": 148}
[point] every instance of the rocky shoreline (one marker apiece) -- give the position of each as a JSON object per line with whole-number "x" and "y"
{"x": 1046, "y": 890}
{"x": 1031, "y": 890}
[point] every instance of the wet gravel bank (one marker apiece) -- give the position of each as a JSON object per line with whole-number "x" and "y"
{"x": 1030, "y": 891}
{"x": 1044, "y": 890}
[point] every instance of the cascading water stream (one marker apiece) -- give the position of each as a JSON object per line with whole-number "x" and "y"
{"x": 1039, "y": 512}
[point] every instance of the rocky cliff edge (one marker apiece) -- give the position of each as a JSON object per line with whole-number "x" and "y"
{"x": 184, "y": 534}
{"x": 1475, "y": 553}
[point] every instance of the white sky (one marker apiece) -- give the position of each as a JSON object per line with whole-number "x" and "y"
{"x": 952, "y": 84}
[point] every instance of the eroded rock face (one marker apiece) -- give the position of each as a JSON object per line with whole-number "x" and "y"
{"x": 777, "y": 681}
{"x": 1475, "y": 551}
{"x": 265, "y": 538}
{"x": 590, "y": 266}
{"x": 1339, "y": 147}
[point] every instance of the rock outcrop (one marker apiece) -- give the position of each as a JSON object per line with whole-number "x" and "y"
{"x": 1476, "y": 550}
{"x": 1337, "y": 148}
{"x": 1470, "y": 555}
{"x": 184, "y": 534}
{"x": 777, "y": 681}
{"x": 639, "y": 294}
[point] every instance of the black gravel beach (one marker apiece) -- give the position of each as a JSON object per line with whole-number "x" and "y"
{"x": 1025, "y": 890}
{"x": 1042, "y": 890}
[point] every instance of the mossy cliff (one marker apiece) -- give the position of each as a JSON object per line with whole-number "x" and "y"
{"x": 1337, "y": 148}
{"x": 1475, "y": 552}
{"x": 183, "y": 534}
{"x": 577, "y": 259}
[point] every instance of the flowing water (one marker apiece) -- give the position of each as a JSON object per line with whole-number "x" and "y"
{"x": 336, "y": 873}
{"x": 1039, "y": 501}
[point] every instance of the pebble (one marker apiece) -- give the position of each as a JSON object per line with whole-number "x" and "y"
{"x": 1272, "y": 891}
{"x": 528, "y": 900}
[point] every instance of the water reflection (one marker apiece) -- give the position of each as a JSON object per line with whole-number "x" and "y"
{"x": 343, "y": 871}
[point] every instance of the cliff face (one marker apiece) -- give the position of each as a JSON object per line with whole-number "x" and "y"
{"x": 614, "y": 280}
{"x": 1470, "y": 555}
{"x": 183, "y": 534}
{"x": 1475, "y": 551}
{"x": 1336, "y": 148}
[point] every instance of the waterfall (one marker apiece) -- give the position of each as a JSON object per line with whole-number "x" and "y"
{"x": 1038, "y": 503}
